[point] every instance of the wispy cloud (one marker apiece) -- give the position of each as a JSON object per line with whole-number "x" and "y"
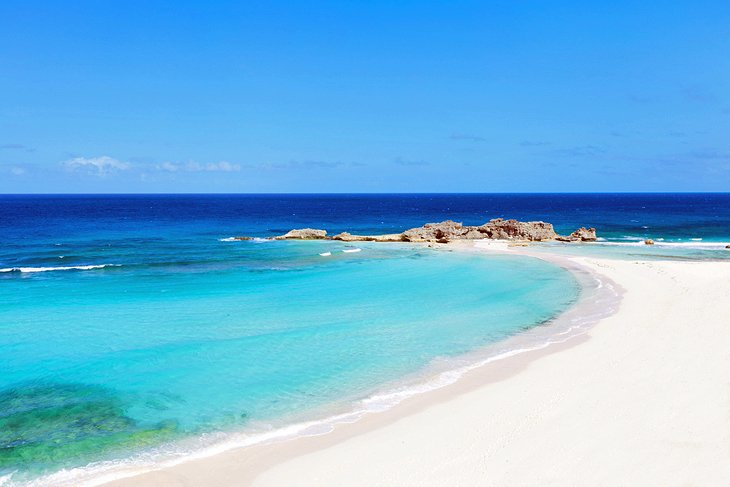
{"x": 316, "y": 163}
{"x": 640, "y": 99}
{"x": 16, "y": 147}
{"x": 193, "y": 166}
{"x": 534, "y": 143}
{"x": 698, "y": 94}
{"x": 405, "y": 162}
{"x": 580, "y": 151}
{"x": 15, "y": 170}
{"x": 467, "y": 137}
{"x": 307, "y": 164}
{"x": 98, "y": 166}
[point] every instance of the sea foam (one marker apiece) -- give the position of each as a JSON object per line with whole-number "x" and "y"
{"x": 51, "y": 269}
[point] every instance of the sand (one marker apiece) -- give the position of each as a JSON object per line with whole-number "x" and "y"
{"x": 642, "y": 398}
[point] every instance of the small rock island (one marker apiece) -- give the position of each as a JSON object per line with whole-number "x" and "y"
{"x": 447, "y": 231}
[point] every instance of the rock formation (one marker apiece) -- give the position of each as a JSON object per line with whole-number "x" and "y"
{"x": 513, "y": 229}
{"x": 348, "y": 237}
{"x": 648, "y": 241}
{"x": 581, "y": 235}
{"x": 494, "y": 229}
{"x": 449, "y": 230}
{"x": 303, "y": 234}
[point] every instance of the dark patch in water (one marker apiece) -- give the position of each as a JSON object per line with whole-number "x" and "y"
{"x": 51, "y": 425}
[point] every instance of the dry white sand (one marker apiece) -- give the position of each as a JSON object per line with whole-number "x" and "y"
{"x": 642, "y": 399}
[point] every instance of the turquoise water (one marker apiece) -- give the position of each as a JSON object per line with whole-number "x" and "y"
{"x": 130, "y": 328}
{"x": 635, "y": 249}
{"x": 176, "y": 338}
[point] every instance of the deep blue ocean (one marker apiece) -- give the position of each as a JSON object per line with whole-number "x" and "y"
{"x": 131, "y": 325}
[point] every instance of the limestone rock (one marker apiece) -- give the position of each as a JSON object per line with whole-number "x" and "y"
{"x": 585, "y": 234}
{"x": 303, "y": 234}
{"x": 388, "y": 237}
{"x": 431, "y": 232}
{"x": 500, "y": 228}
{"x": 348, "y": 237}
{"x": 494, "y": 229}
{"x": 581, "y": 235}
{"x": 446, "y": 231}
{"x": 648, "y": 241}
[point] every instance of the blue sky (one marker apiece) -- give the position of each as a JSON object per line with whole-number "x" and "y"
{"x": 355, "y": 96}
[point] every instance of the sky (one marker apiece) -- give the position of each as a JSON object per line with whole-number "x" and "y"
{"x": 364, "y": 96}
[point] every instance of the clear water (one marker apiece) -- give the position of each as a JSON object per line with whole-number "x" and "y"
{"x": 128, "y": 322}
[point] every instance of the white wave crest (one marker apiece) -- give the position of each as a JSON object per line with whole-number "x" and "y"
{"x": 352, "y": 250}
{"x": 50, "y": 269}
{"x": 659, "y": 242}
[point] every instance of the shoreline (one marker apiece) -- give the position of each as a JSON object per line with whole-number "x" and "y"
{"x": 425, "y": 385}
{"x": 638, "y": 400}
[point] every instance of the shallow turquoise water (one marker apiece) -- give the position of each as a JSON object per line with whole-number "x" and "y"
{"x": 127, "y": 325}
{"x": 184, "y": 338}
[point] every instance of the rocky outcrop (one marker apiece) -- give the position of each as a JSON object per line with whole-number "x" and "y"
{"x": 303, "y": 234}
{"x": 581, "y": 235}
{"x": 494, "y": 229}
{"x": 446, "y": 231}
{"x": 512, "y": 229}
{"x": 433, "y": 232}
{"x": 242, "y": 238}
{"x": 727, "y": 246}
{"x": 648, "y": 241}
{"x": 348, "y": 237}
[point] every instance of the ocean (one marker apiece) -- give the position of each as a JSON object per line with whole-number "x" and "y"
{"x": 133, "y": 329}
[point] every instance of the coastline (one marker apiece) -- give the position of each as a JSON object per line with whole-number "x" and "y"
{"x": 442, "y": 383}
{"x": 632, "y": 401}
{"x": 440, "y": 372}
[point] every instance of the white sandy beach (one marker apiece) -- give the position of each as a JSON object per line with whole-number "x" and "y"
{"x": 643, "y": 398}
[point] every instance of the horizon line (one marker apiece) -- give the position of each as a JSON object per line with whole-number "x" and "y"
{"x": 372, "y": 193}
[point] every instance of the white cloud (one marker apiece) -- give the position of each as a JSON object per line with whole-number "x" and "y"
{"x": 192, "y": 166}
{"x": 100, "y": 166}
{"x": 17, "y": 171}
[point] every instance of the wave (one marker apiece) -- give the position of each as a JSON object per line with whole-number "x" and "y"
{"x": 693, "y": 244}
{"x": 352, "y": 250}
{"x": 326, "y": 254}
{"x": 51, "y": 269}
{"x": 239, "y": 239}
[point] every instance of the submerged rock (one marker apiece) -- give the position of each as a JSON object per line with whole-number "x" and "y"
{"x": 303, "y": 234}
{"x": 50, "y": 424}
{"x": 648, "y": 241}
